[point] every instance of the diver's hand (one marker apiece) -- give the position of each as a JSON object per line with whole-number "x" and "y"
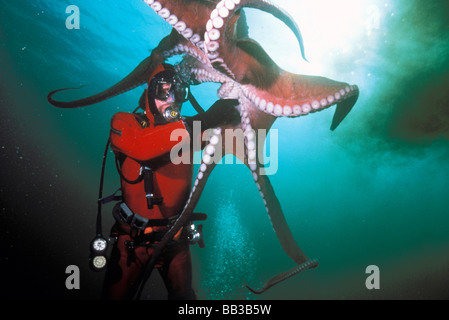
{"x": 221, "y": 113}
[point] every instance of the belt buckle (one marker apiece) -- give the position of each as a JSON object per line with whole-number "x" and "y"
{"x": 139, "y": 222}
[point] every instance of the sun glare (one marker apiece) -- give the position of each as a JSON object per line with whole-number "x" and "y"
{"x": 328, "y": 28}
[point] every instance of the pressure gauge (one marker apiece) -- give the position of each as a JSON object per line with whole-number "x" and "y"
{"x": 99, "y": 262}
{"x": 99, "y": 244}
{"x": 98, "y": 247}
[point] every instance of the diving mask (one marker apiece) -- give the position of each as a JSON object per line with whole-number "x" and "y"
{"x": 164, "y": 89}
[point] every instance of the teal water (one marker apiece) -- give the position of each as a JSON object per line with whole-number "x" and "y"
{"x": 372, "y": 192}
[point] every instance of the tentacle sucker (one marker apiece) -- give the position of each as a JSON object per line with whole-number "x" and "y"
{"x": 205, "y": 169}
{"x": 219, "y": 17}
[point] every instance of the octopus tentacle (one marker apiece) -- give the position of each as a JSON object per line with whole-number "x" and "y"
{"x": 279, "y": 13}
{"x": 136, "y": 78}
{"x": 204, "y": 171}
{"x": 221, "y": 22}
{"x": 195, "y": 72}
{"x": 186, "y": 17}
{"x": 343, "y": 109}
{"x": 271, "y": 202}
{"x": 309, "y": 264}
{"x": 206, "y": 167}
{"x": 171, "y": 45}
{"x": 178, "y": 45}
{"x": 284, "y": 94}
{"x": 282, "y": 231}
{"x": 204, "y": 22}
{"x": 318, "y": 98}
{"x": 277, "y": 218}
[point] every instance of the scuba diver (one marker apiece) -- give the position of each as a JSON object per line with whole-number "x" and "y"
{"x": 155, "y": 190}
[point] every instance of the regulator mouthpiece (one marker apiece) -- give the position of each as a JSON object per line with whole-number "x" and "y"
{"x": 172, "y": 114}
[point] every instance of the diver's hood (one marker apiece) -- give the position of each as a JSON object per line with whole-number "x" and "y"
{"x": 151, "y": 111}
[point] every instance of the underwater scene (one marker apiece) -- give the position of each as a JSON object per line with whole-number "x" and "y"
{"x": 372, "y": 192}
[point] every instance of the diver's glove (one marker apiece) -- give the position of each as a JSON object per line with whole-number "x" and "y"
{"x": 221, "y": 113}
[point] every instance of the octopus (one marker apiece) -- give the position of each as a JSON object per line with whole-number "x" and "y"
{"x": 211, "y": 37}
